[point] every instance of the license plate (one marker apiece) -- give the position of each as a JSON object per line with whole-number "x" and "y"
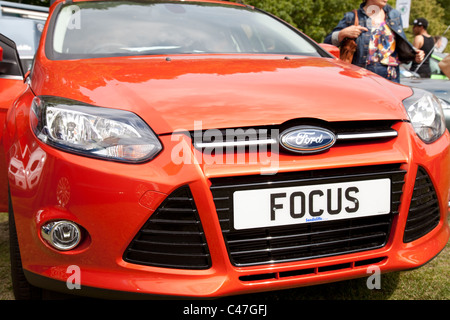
{"x": 313, "y": 203}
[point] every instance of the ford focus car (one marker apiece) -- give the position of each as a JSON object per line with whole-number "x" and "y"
{"x": 205, "y": 149}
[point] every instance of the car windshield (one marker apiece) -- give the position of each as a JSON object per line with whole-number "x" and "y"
{"x": 120, "y": 28}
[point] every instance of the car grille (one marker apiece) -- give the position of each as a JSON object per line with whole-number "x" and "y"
{"x": 312, "y": 271}
{"x": 304, "y": 241}
{"x": 173, "y": 237}
{"x": 424, "y": 213}
{"x": 247, "y": 138}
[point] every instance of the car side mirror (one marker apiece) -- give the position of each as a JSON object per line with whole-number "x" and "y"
{"x": 10, "y": 64}
{"x": 331, "y": 49}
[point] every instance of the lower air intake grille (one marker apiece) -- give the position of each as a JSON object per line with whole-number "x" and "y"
{"x": 424, "y": 213}
{"x": 309, "y": 240}
{"x": 173, "y": 236}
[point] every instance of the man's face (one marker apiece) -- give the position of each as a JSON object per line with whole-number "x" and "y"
{"x": 417, "y": 30}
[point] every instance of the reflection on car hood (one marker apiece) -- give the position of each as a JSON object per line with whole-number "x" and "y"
{"x": 224, "y": 91}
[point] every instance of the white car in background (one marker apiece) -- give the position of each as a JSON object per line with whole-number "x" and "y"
{"x": 24, "y": 24}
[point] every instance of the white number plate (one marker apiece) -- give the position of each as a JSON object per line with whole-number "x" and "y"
{"x": 304, "y": 204}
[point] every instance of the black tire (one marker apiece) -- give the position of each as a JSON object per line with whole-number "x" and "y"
{"x": 22, "y": 289}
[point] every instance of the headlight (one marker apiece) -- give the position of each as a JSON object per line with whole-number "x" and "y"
{"x": 93, "y": 131}
{"x": 426, "y": 115}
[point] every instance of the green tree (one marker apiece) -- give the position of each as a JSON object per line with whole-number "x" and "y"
{"x": 446, "y": 5}
{"x": 432, "y": 11}
{"x": 316, "y": 18}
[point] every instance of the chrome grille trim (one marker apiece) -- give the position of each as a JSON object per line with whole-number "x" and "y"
{"x": 340, "y": 137}
{"x": 346, "y": 132}
{"x": 202, "y": 145}
{"x": 364, "y": 136}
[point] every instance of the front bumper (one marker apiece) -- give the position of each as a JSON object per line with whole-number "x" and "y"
{"x": 113, "y": 201}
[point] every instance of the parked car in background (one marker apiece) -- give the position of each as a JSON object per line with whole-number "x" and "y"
{"x": 436, "y": 72}
{"x": 23, "y": 24}
{"x": 206, "y": 148}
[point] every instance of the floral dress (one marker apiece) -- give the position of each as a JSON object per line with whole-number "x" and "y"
{"x": 382, "y": 49}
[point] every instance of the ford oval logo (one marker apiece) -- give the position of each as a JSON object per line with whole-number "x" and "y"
{"x": 306, "y": 139}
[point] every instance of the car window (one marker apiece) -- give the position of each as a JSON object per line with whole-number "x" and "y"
{"x": 115, "y": 28}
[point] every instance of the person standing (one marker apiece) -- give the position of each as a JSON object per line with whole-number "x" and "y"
{"x": 425, "y": 42}
{"x": 380, "y": 39}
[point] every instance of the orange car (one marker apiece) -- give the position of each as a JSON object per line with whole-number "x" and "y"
{"x": 205, "y": 149}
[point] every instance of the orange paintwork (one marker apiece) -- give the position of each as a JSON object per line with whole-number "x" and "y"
{"x": 166, "y": 94}
{"x": 112, "y": 201}
{"x": 9, "y": 89}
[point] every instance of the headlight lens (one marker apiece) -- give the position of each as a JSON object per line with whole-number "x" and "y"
{"x": 93, "y": 131}
{"x": 426, "y": 115}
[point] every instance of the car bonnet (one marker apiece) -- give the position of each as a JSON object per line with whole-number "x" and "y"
{"x": 224, "y": 91}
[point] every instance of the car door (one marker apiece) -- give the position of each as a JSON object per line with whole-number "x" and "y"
{"x": 11, "y": 85}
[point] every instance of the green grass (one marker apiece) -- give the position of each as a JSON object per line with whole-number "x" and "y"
{"x": 5, "y": 278}
{"x": 430, "y": 282}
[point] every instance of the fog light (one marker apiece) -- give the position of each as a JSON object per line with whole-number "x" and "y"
{"x": 63, "y": 234}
